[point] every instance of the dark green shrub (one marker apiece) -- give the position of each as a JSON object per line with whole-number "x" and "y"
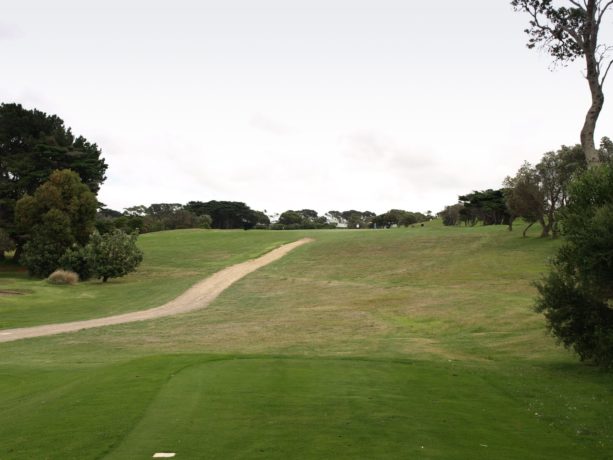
{"x": 114, "y": 254}
{"x": 577, "y": 295}
{"x": 41, "y": 254}
{"x": 78, "y": 259}
{"x": 61, "y": 213}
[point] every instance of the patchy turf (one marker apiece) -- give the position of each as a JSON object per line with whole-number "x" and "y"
{"x": 173, "y": 262}
{"x": 365, "y": 344}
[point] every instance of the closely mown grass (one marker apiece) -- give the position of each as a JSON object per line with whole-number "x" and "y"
{"x": 407, "y": 343}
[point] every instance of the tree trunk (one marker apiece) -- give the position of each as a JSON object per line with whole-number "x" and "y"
{"x": 555, "y": 231}
{"x": 105, "y": 279}
{"x": 546, "y": 228}
{"x": 593, "y": 78}
{"x": 587, "y": 133}
{"x": 526, "y": 229}
{"x": 18, "y": 251}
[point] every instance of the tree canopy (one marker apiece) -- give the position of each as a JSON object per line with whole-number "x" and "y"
{"x": 32, "y": 145}
{"x": 567, "y": 32}
{"x": 486, "y": 206}
{"x": 304, "y": 218}
{"x": 228, "y": 214}
{"x": 60, "y": 214}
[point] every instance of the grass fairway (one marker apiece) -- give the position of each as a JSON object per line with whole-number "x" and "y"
{"x": 173, "y": 262}
{"x": 408, "y": 343}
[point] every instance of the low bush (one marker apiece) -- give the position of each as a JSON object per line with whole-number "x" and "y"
{"x": 63, "y": 277}
{"x": 78, "y": 259}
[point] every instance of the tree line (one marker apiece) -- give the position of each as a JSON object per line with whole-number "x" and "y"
{"x": 227, "y": 215}
{"x": 51, "y": 219}
{"x": 535, "y": 193}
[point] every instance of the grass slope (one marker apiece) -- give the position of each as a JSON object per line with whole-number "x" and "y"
{"x": 416, "y": 343}
{"x": 173, "y": 262}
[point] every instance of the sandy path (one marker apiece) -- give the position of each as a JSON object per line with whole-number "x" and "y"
{"x": 198, "y": 296}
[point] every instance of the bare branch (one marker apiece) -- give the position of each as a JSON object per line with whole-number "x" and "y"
{"x": 578, "y": 5}
{"x": 604, "y": 77}
{"x": 602, "y": 12}
{"x": 605, "y": 7}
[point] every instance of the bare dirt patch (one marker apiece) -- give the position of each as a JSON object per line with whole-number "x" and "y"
{"x": 4, "y": 292}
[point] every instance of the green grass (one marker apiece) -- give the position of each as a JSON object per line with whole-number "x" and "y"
{"x": 173, "y": 262}
{"x": 408, "y": 343}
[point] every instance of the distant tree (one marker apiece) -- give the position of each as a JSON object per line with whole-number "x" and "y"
{"x": 139, "y": 210}
{"x": 451, "y": 214}
{"x": 487, "y": 206}
{"x": 410, "y": 218}
{"x": 556, "y": 171}
{"x": 226, "y": 214}
{"x": 302, "y": 219}
{"x": 197, "y": 207}
{"x": 290, "y": 218}
{"x": 163, "y": 209}
{"x": 110, "y": 213}
{"x": 335, "y": 216}
{"x": 576, "y": 297}
{"x": 61, "y": 213}
{"x": 524, "y": 195}
{"x": 153, "y": 218}
{"x": 113, "y": 255}
{"x": 606, "y": 151}
{"x": 261, "y": 219}
{"x": 568, "y": 32}
{"x": 398, "y": 217}
{"x": 357, "y": 219}
{"x": 33, "y": 145}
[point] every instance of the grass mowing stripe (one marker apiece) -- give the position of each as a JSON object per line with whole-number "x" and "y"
{"x": 286, "y": 408}
{"x": 356, "y": 335}
{"x": 77, "y": 415}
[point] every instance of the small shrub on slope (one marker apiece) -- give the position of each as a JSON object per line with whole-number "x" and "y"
{"x": 63, "y": 277}
{"x": 113, "y": 254}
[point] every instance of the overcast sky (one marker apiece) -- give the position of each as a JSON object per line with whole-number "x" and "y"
{"x": 291, "y": 104}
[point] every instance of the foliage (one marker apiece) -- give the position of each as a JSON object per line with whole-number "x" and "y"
{"x": 302, "y": 219}
{"x": 63, "y": 277}
{"x": 228, "y": 214}
{"x": 47, "y": 243}
{"x": 352, "y": 218}
{"x": 487, "y": 206}
{"x": 114, "y": 254}
{"x": 538, "y": 193}
{"x": 524, "y": 196}
{"x": 577, "y": 295}
{"x": 78, "y": 259}
{"x": 61, "y": 213}
{"x": 33, "y": 145}
{"x": 568, "y": 32}
{"x": 154, "y": 218}
{"x": 451, "y": 214}
{"x": 6, "y": 243}
{"x": 398, "y": 217}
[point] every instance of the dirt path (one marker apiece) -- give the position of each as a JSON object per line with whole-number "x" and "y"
{"x": 198, "y": 296}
